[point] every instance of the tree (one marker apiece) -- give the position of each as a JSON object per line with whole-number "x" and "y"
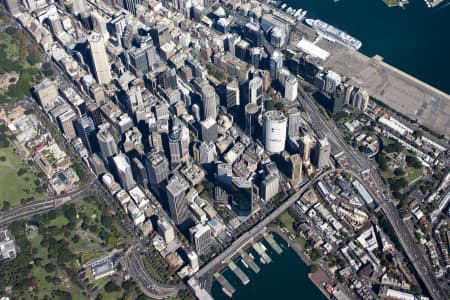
{"x": 111, "y": 287}
{"x": 47, "y": 69}
{"x": 50, "y": 268}
{"x": 418, "y": 134}
{"x": 413, "y": 162}
{"x": 399, "y": 172}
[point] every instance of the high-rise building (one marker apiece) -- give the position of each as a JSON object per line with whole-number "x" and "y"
{"x": 359, "y": 99}
{"x": 139, "y": 171}
{"x": 175, "y": 148}
{"x": 157, "y": 167}
{"x": 274, "y": 129}
{"x": 295, "y": 167}
{"x": 270, "y": 187}
{"x": 193, "y": 261}
{"x": 207, "y": 152}
{"x": 276, "y": 63}
{"x": 66, "y": 123}
{"x": 12, "y": 6}
{"x": 332, "y": 81}
{"x": 134, "y": 98}
{"x": 176, "y": 196}
{"x": 106, "y": 142}
{"x": 209, "y": 130}
{"x": 255, "y": 91}
{"x": 78, "y": 7}
{"x": 241, "y": 192}
{"x": 290, "y": 88}
{"x": 253, "y": 34}
{"x": 102, "y": 68}
{"x": 161, "y": 35}
{"x": 47, "y": 93}
{"x": 123, "y": 171}
{"x": 338, "y": 99}
{"x": 99, "y": 24}
{"x": 201, "y": 238}
{"x": 142, "y": 59}
{"x": 85, "y": 129}
{"x": 306, "y": 144}
{"x": 293, "y": 122}
{"x": 209, "y": 101}
{"x": 130, "y": 5}
{"x": 165, "y": 229}
{"x": 251, "y": 118}
{"x": 232, "y": 97}
{"x": 322, "y": 153}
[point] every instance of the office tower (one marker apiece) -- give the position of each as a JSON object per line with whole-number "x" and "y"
{"x": 209, "y": 130}
{"x": 99, "y": 25}
{"x": 207, "y": 152}
{"x": 295, "y": 167}
{"x": 117, "y": 27}
{"x": 78, "y": 7}
{"x": 184, "y": 142}
{"x": 251, "y": 118}
{"x": 162, "y": 111}
{"x": 359, "y": 99}
{"x": 175, "y": 148}
{"x": 332, "y": 81}
{"x": 224, "y": 174}
{"x": 161, "y": 35}
{"x": 193, "y": 261}
{"x": 130, "y": 5}
{"x": 255, "y": 91}
{"x": 123, "y": 171}
{"x": 201, "y": 238}
{"x": 338, "y": 99}
{"x": 55, "y": 25}
{"x": 231, "y": 44}
{"x": 270, "y": 187}
{"x": 209, "y": 101}
{"x": 47, "y": 93}
{"x": 65, "y": 122}
{"x": 274, "y": 129}
{"x": 196, "y": 112}
{"x": 322, "y": 153}
{"x": 139, "y": 171}
{"x": 134, "y": 98}
{"x": 290, "y": 88}
{"x": 241, "y": 192}
{"x": 176, "y": 196}
{"x": 143, "y": 59}
{"x": 306, "y": 144}
{"x": 277, "y": 37}
{"x": 253, "y": 34}
{"x": 155, "y": 139}
{"x": 232, "y": 97}
{"x": 12, "y": 6}
{"x": 85, "y": 129}
{"x": 106, "y": 142}
{"x": 276, "y": 63}
{"x": 256, "y": 55}
{"x": 157, "y": 167}
{"x": 165, "y": 229}
{"x": 242, "y": 50}
{"x": 102, "y": 68}
{"x": 293, "y": 122}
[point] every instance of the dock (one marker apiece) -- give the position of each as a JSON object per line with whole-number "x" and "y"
{"x": 261, "y": 250}
{"x": 227, "y": 288}
{"x": 239, "y": 273}
{"x": 269, "y": 238}
{"x": 250, "y": 262}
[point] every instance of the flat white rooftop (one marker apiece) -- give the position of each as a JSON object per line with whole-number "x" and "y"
{"x": 311, "y": 49}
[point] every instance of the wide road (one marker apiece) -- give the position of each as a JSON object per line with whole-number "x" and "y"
{"x": 260, "y": 227}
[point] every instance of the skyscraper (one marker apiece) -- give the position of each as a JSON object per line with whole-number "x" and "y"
{"x": 276, "y": 63}
{"x": 274, "y": 130}
{"x": 270, "y": 186}
{"x": 201, "y": 238}
{"x": 143, "y": 58}
{"x": 232, "y": 97}
{"x": 78, "y": 6}
{"x": 209, "y": 130}
{"x": 134, "y": 98}
{"x": 175, "y": 148}
{"x": 306, "y": 144}
{"x": 99, "y": 24}
{"x": 290, "y": 88}
{"x": 123, "y": 171}
{"x": 139, "y": 171}
{"x": 85, "y": 129}
{"x": 106, "y": 142}
{"x": 176, "y": 196}
{"x": 65, "y": 122}
{"x": 157, "y": 167}
{"x": 295, "y": 167}
{"x": 293, "y": 122}
{"x": 251, "y": 118}
{"x": 241, "y": 193}
{"x": 207, "y": 153}
{"x": 322, "y": 153}
{"x": 102, "y": 68}
{"x": 255, "y": 91}
{"x": 209, "y": 101}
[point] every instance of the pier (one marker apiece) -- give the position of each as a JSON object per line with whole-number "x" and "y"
{"x": 227, "y": 288}
{"x": 269, "y": 238}
{"x": 250, "y": 262}
{"x": 238, "y": 272}
{"x": 260, "y": 249}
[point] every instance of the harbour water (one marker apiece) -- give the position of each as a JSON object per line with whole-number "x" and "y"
{"x": 415, "y": 39}
{"x": 286, "y": 277}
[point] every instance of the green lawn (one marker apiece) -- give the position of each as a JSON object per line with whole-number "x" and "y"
{"x": 15, "y": 188}
{"x": 288, "y": 221}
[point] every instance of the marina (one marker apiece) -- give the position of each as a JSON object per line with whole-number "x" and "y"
{"x": 269, "y": 238}
{"x": 238, "y": 272}
{"x": 247, "y": 260}
{"x": 227, "y": 288}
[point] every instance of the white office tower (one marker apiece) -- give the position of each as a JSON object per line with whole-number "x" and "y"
{"x": 166, "y": 230}
{"x": 176, "y": 196}
{"x": 102, "y": 68}
{"x": 123, "y": 170}
{"x": 78, "y": 7}
{"x": 134, "y": 98}
{"x": 306, "y": 144}
{"x": 359, "y": 99}
{"x": 209, "y": 100}
{"x": 290, "y": 88}
{"x": 293, "y": 122}
{"x": 322, "y": 153}
{"x": 193, "y": 261}
{"x": 255, "y": 91}
{"x": 207, "y": 152}
{"x": 274, "y": 131}
{"x": 201, "y": 238}
{"x": 276, "y": 63}
{"x": 106, "y": 142}
{"x": 99, "y": 25}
